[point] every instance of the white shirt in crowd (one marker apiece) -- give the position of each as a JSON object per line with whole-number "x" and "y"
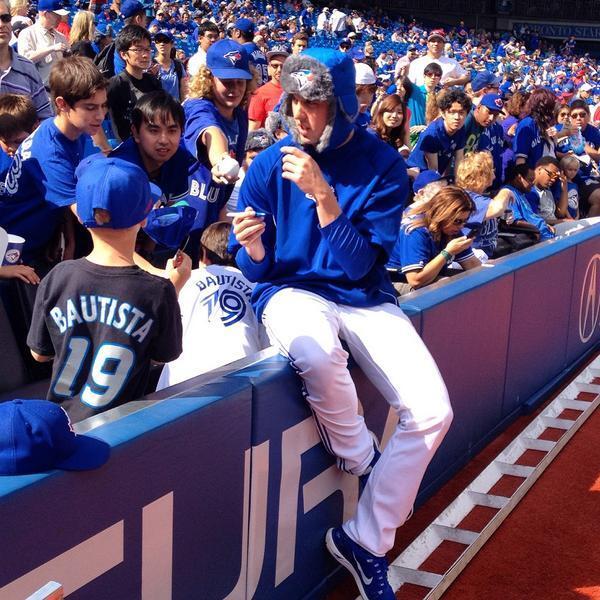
{"x": 196, "y": 61}
{"x": 337, "y": 20}
{"x": 36, "y": 38}
{"x": 219, "y": 325}
{"x": 450, "y": 69}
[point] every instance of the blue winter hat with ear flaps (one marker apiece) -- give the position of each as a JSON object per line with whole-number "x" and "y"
{"x": 319, "y": 74}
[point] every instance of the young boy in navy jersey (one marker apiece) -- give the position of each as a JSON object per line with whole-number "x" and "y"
{"x": 443, "y": 142}
{"x": 40, "y": 183}
{"x": 101, "y": 318}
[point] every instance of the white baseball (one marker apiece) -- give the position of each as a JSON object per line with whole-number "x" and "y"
{"x": 229, "y": 166}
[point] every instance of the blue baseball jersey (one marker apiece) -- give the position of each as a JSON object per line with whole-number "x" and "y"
{"x": 573, "y": 202}
{"x": 258, "y": 60}
{"x": 487, "y": 229}
{"x": 528, "y": 142}
{"x": 345, "y": 261}
{"x": 5, "y": 162}
{"x": 522, "y": 212}
{"x": 416, "y": 247}
{"x": 435, "y": 140}
{"x": 39, "y": 184}
{"x": 591, "y": 135}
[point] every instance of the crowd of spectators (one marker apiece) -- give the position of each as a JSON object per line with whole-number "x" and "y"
{"x": 498, "y": 131}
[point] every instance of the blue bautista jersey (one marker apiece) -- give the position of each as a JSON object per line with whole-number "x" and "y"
{"x": 345, "y": 261}
{"x": 258, "y": 60}
{"x": 435, "y": 140}
{"x": 38, "y": 185}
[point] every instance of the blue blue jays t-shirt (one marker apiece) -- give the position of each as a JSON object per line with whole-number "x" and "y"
{"x": 487, "y": 229}
{"x": 492, "y": 141}
{"x": 435, "y": 140}
{"x": 592, "y": 137}
{"x": 573, "y": 202}
{"x": 416, "y": 247}
{"x": 5, "y": 162}
{"x": 528, "y": 142}
{"x": 38, "y": 185}
{"x": 370, "y": 182}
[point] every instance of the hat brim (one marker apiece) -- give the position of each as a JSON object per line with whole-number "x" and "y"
{"x": 436, "y": 37}
{"x": 231, "y": 74}
{"x": 61, "y": 11}
{"x": 270, "y": 55}
{"x": 90, "y": 453}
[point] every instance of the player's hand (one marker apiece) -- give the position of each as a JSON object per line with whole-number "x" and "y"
{"x": 179, "y": 269}
{"x": 301, "y": 168}
{"x": 22, "y": 272}
{"x": 248, "y": 229}
{"x": 458, "y": 245}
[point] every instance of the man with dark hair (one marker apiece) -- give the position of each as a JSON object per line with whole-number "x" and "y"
{"x": 243, "y": 33}
{"x": 440, "y": 146}
{"x": 41, "y": 180}
{"x": 18, "y": 119}
{"x": 589, "y": 186}
{"x": 133, "y": 44}
{"x": 20, "y": 74}
{"x": 299, "y": 42}
{"x": 208, "y": 34}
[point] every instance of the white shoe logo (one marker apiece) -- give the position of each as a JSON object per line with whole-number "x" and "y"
{"x": 367, "y": 580}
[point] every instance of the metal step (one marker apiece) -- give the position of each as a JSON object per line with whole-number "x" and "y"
{"x": 405, "y": 568}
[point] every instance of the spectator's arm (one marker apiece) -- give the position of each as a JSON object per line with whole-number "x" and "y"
{"x": 41, "y": 357}
{"x": 427, "y": 274}
{"x": 562, "y": 206}
{"x": 470, "y": 263}
{"x": 592, "y": 152}
{"x": 458, "y": 156}
{"x": 498, "y": 204}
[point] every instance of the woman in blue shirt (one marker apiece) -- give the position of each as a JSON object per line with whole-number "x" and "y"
{"x": 432, "y": 240}
{"x": 532, "y": 140}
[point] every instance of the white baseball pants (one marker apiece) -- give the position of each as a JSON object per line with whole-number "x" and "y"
{"x": 307, "y": 329}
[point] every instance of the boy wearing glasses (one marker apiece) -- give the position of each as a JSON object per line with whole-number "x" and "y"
{"x": 133, "y": 44}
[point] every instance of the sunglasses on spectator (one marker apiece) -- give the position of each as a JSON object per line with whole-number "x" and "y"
{"x": 5, "y": 18}
{"x": 581, "y": 115}
{"x": 429, "y": 74}
{"x": 551, "y": 174}
{"x": 563, "y": 114}
{"x": 459, "y": 221}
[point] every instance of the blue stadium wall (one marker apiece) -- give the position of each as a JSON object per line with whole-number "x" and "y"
{"x": 224, "y": 491}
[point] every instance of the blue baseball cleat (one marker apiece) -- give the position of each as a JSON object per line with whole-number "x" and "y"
{"x": 369, "y": 571}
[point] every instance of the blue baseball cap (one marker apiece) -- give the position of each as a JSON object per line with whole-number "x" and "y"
{"x": 130, "y": 8}
{"x": 227, "y": 59}
{"x": 170, "y": 226}
{"x": 492, "y": 102}
{"x": 55, "y": 6}
{"x": 424, "y": 178}
{"x": 36, "y": 436}
{"x": 484, "y": 79}
{"x": 115, "y": 185}
{"x": 164, "y": 33}
{"x": 244, "y": 25}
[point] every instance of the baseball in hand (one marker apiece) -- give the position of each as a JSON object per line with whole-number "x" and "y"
{"x": 229, "y": 167}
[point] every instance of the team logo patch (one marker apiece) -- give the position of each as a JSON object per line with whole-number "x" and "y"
{"x": 12, "y": 256}
{"x": 498, "y": 102}
{"x": 303, "y": 78}
{"x": 234, "y": 56}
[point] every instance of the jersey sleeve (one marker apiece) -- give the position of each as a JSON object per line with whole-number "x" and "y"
{"x": 200, "y": 115}
{"x": 523, "y": 139}
{"x": 38, "y": 338}
{"x": 59, "y": 172}
{"x": 415, "y": 249}
{"x": 429, "y": 141}
{"x": 167, "y": 345}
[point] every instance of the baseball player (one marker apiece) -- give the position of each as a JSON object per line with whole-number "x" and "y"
{"x": 332, "y": 195}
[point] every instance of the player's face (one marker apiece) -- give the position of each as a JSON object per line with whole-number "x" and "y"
{"x": 228, "y": 93}
{"x": 310, "y": 119}
{"x": 87, "y": 115}
{"x": 454, "y": 117}
{"x": 393, "y": 118}
{"x": 10, "y": 144}
{"x": 157, "y": 141}
{"x": 484, "y": 116}
{"x": 275, "y": 66}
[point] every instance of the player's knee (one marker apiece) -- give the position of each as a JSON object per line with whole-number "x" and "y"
{"x": 315, "y": 360}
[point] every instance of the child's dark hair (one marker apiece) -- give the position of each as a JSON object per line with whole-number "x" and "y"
{"x": 17, "y": 114}
{"x": 446, "y": 100}
{"x": 129, "y": 35}
{"x": 214, "y": 242}
{"x": 159, "y": 105}
{"x": 547, "y": 160}
{"x": 514, "y": 170}
{"x": 75, "y": 78}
